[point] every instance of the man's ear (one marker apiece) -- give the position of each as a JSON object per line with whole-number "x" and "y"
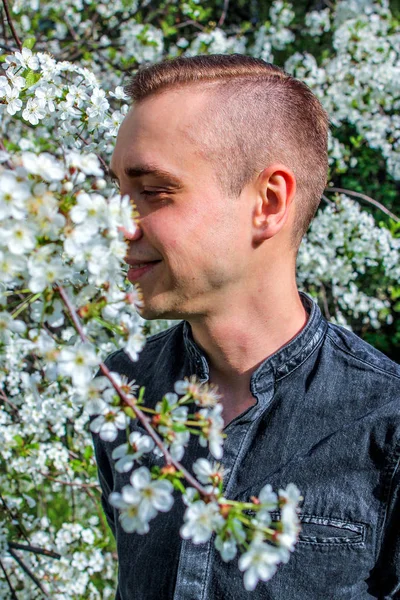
{"x": 276, "y": 189}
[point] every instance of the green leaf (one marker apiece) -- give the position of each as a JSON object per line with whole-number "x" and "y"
{"x": 19, "y": 440}
{"x": 29, "y": 43}
{"x": 88, "y": 452}
{"x": 32, "y": 78}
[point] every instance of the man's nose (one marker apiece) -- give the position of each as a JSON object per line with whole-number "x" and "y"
{"x": 135, "y": 233}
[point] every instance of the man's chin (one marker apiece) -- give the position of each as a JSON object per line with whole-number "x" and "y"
{"x": 152, "y": 313}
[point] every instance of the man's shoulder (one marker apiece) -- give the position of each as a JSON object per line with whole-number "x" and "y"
{"x": 359, "y": 354}
{"x": 164, "y": 342}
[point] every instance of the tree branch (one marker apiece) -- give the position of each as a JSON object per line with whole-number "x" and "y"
{"x": 224, "y": 12}
{"x": 11, "y": 24}
{"x": 28, "y": 572}
{"x": 139, "y": 414}
{"x": 12, "y": 590}
{"x": 366, "y": 199}
{"x": 34, "y": 549}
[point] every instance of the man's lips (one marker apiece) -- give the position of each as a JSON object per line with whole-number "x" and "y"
{"x": 133, "y": 263}
{"x": 136, "y": 269}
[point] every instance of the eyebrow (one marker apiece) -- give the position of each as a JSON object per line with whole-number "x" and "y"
{"x": 141, "y": 170}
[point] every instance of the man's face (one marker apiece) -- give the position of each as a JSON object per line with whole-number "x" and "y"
{"x": 201, "y": 236}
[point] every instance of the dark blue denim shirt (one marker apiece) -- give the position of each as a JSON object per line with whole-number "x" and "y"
{"x": 327, "y": 418}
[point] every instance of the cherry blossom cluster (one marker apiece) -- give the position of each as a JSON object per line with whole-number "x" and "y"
{"x": 62, "y": 248}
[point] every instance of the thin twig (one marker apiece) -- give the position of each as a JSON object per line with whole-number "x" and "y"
{"x": 328, "y": 201}
{"x": 103, "y": 162}
{"x": 10, "y": 585}
{"x": 325, "y": 302}
{"x": 14, "y": 519}
{"x": 11, "y": 24}
{"x": 71, "y": 483}
{"x": 366, "y": 199}
{"x": 190, "y": 22}
{"x": 224, "y": 12}
{"x": 4, "y": 397}
{"x": 139, "y": 414}
{"x": 28, "y": 572}
{"x": 34, "y": 549}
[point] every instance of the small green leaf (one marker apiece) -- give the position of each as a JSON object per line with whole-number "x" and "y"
{"x": 32, "y": 78}
{"x": 29, "y": 43}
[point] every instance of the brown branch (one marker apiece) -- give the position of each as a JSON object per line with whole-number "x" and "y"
{"x": 34, "y": 549}
{"x": 190, "y": 22}
{"x": 28, "y": 571}
{"x": 325, "y": 302}
{"x": 366, "y": 199}
{"x": 139, "y": 414}
{"x": 99, "y": 511}
{"x": 328, "y": 201}
{"x": 10, "y": 585}
{"x": 13, "y": 519}
{"x": 71, "y": 483}
{"x": 103, "y": 162}
{"x": 224, "y": 12}
{"x": 11, "y": 24}
{"x": 4, "y": 397}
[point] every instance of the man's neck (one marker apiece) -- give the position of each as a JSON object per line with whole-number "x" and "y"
{"x": 237, "y": 340}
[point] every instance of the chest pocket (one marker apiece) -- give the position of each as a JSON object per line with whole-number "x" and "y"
{"x": 326, "y": 531}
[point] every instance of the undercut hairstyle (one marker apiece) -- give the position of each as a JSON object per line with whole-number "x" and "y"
{"x": 256, "y": 115}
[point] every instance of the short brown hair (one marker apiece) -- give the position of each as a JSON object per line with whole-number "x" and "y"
{"x": 258, "y": 114}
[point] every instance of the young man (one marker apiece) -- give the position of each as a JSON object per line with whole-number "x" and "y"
{"x": 225, "y": 158}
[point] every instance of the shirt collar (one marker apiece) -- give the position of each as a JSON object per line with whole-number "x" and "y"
{"x": 279, "y": 364}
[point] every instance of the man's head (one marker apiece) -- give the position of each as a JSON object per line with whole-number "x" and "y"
{"x": 248, "y": 146}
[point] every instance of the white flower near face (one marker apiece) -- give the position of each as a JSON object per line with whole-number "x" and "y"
{"x": 87, "y": 163}
{"x": 126, "y": 454}
{"x": 11, "y": 266}
{"x": 120, "y": 214}
{"x": 289, "y": 517}
{"x": 269, "y": 502}
{"x": 119, "y": 93}
{"x": 155, "y": 495}
{"x": 25, "y": 59}
{"x": 213, "y": 433}
{"x": 78, "y": 362}
{"x": 14, "y": 104}
{"x": 88, "y": 207}
{"x": 226, "y": 546}
{"x": 99, "y": 104}
{"x": 13, "y": 195}
{"x": 203, "y": 394}
{"x": 76, "y": 96}
{"x": 112, "y": 125}
{"x": 208, "y": 472}
{"x": 47, "y": 94}
{"x": 136, "y": 339}
{"x": 260, "y": 562}
{"x": 44, "y": 275}
{"x": 128, "y": 502}
{"x": 109, "y": 422}
{"x": 34, "y": 111}
{"x": 201, "y": 520}
{"x": 20, "y": 238}
{"x": 43, "y": 164}
{"x": 8, "y": 324}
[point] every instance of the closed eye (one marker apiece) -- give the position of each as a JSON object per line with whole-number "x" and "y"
{"x": 154, "y": 194}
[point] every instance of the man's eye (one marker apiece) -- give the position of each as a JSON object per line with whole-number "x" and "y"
{"x": 153, "y": 194}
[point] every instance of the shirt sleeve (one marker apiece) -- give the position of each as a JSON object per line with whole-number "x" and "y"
{"x": 388, "y": 566}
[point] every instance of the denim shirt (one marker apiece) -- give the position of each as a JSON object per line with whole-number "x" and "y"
{"x": 327, "y": 418}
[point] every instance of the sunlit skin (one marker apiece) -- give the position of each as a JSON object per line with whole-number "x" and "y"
{"x": 227, "y": 267}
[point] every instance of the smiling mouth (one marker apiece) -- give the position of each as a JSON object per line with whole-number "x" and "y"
{"x": 137, "y": 271}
